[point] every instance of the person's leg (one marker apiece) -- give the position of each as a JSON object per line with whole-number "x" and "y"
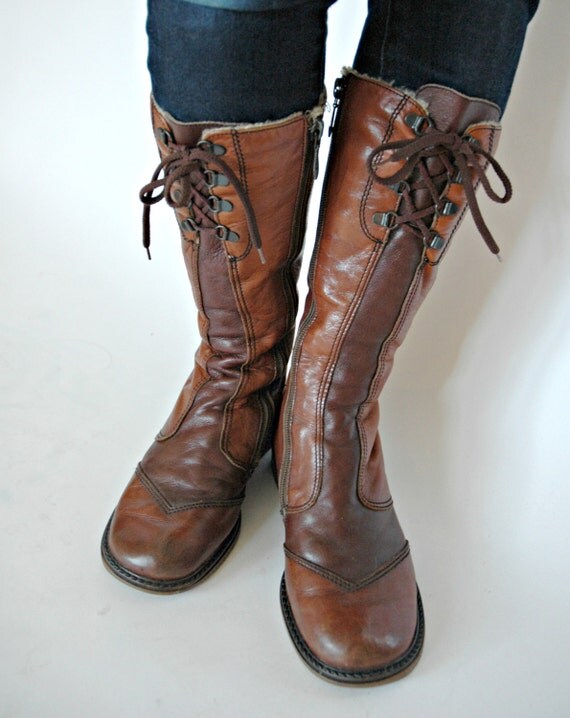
{"x": 212, "y": 64}
{"x": 401, "y": 175}
{"x": 240, "y": 193}
{"x": 473, "y": 47}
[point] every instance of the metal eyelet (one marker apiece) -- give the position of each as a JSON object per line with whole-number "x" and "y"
{"x": 164, "y": 136}
{"x": 226, "y": 235}
{"x": 176, "y": 194}
{"x": 457, "y": 178}
{"x": 209, "y": 146}
{"x": 188, "y": 225}
{"x": 400, "y": 187}
{"x": 219, "y": 205}
{"x": 436, "y": 241}
{"x": 418, "y": 123}
{"x": 448, "y": 209}
{"x": 215, "y": 179}
{"x": 385, "y": 219}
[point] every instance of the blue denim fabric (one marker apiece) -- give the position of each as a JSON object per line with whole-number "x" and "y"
{"x": 473, "y": 47}
{"x": 208, "y": 63}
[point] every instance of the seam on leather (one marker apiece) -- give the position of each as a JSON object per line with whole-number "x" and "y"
{"x": 183, "y": 413}
{"x": 194, "y": 276}
{"x": 169, "y": 508}
{"x": 370, "y": 182}
{"x": 395, "y": 333}
{"x": 381, "y": 365}
{"x": 247, "y": 328}
{"x": 344, "y": 583}
{"x": 373, "y": 505}
{"x": 298, "y": 228}
{"x": 329, "y": 370}
{"x": 246, "y": 322}
{"x": 328, "y": 373}
{"x": 235, "y": 137}
{"x": 304, "y": 329}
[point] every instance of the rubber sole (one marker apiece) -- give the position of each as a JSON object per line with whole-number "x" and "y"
{"x": 168, "y": 585}
{"x": 373, "y": 676}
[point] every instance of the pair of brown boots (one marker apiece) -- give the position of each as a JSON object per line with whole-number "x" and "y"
{"x": 401, "y": 173}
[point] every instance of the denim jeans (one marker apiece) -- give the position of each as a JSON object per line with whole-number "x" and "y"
{"x": 207, "y": 63}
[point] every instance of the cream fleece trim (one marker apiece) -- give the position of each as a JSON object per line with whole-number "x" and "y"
{"x": 170, "y": 118}
{"x": 311, "y": 114}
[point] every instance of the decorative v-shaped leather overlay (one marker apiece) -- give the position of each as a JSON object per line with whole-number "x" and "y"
{"x": 344, "y": 583}
{"x": 170, "y": 508}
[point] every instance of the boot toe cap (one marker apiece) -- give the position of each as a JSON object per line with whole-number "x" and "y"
{"x": 365, "y": 635}
{"x": 166, "y": 552}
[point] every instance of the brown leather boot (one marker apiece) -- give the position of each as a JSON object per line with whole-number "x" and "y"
{"x": 400, "y": 177}
{"x": 240, "y": 195}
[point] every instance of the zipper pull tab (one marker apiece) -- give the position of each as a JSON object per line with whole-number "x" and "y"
{"x": 338, "y": 92}
{"x": 317, "y": 132}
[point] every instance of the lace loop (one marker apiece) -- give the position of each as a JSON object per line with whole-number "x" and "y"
{"x": 181, "y": 181}
{"x": 457, "y": 154}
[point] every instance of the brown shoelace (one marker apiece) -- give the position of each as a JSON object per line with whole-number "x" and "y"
{"x": 185, "y": 166}
{"x": 457, "y": 154}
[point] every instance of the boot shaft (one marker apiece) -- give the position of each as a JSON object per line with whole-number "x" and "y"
{"x": 246, "y": 299}
{"x": 368, "y": 277}
{"x": 383, "y": 231}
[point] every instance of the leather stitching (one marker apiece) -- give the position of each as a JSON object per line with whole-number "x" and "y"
{"x": 161, "y": 436}
{"x": 297, "y": 230}
{"x": 169, "y": 508}
{"x": 328, "y": 373}
{"x": 243, "y": 179}
{"x": 340, "y": 336}
{"x": 250, "y": 353}
{"x": 406, "y": 306}
{"x": 370, "y": 677}
{"x": 249, "y": 334}
{"x": 197, "y": 290}
{"x": 344, "y": 583}
{"x": 370, "y": 182}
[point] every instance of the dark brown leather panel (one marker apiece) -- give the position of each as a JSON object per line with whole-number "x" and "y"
{"x": 338, "y": 535}
{"x": 454, "y": 112}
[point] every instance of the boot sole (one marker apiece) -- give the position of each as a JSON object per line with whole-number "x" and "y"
{"x": 168, "y": 585}
{"x": 373, "y": 676}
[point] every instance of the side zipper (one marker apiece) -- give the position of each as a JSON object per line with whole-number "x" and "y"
{"x": 265, "y": 400}
{"x": 315, "y": 128}
{"x": 338, "y": 92}
{"x": 310, "y": 173}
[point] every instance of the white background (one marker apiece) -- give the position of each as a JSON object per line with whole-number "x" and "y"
{"x": 96, "y": 342}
